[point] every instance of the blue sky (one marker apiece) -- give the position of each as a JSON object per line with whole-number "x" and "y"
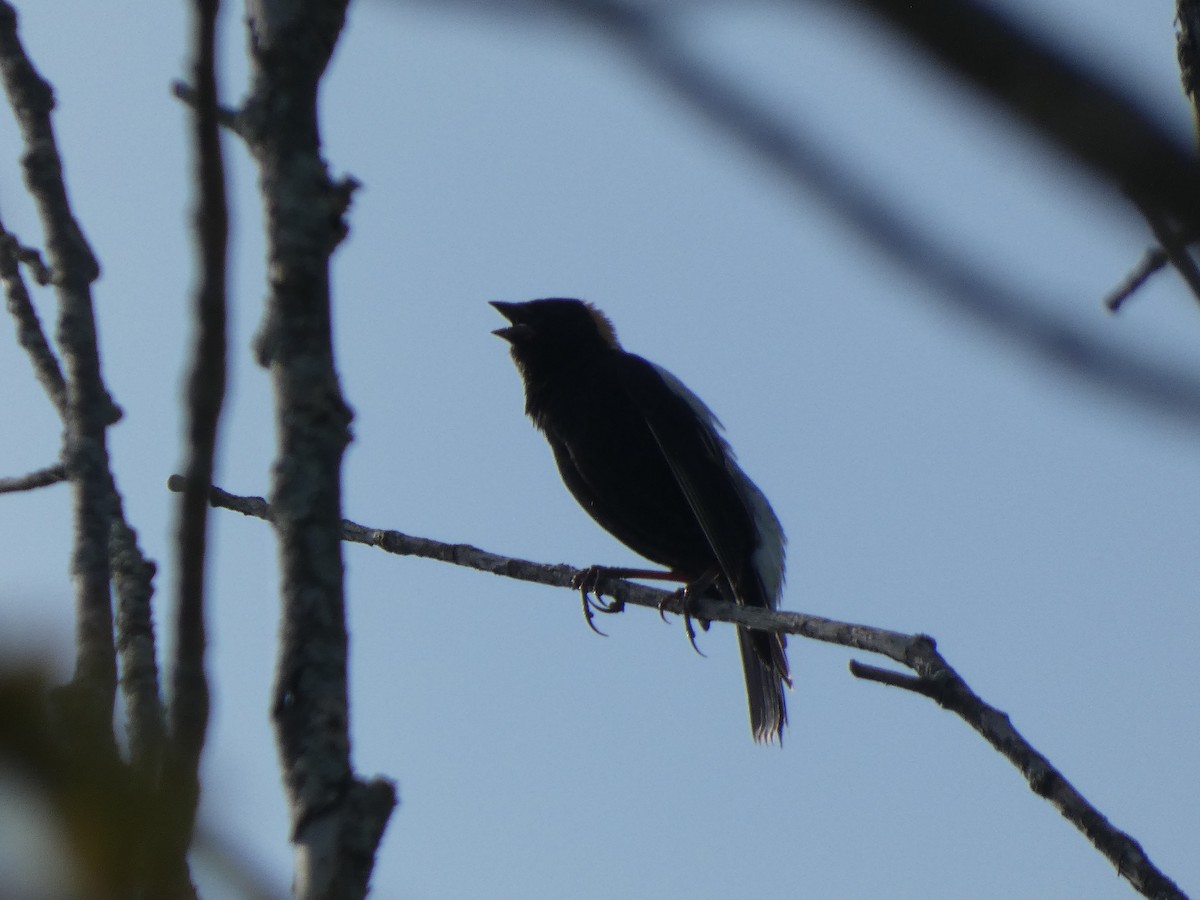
{"x": 930, "y": 475}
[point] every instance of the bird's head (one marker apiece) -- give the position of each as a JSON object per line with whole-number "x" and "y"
{"x": 553, "y": 328}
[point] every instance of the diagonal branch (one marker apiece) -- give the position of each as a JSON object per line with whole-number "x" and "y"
{"x": 938, "y": 680}
{"x": 789, "y": 150}
{"x": 933, "y": 676}
{"x": 1066, "y": 104}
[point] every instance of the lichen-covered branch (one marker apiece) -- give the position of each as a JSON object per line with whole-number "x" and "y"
{"x": 337, "y": 819}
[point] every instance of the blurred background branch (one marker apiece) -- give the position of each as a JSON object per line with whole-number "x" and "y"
{"x": 1069, "y": 107}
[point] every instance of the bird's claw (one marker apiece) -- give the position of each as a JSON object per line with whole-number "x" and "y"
{"x": 587, "y": 582}
{"x": 686, "y": 597}
{"x": 691, "y": 633}
{"x": 662, "y": 604}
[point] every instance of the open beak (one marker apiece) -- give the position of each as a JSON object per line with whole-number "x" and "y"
{"x": 512, "y": 312}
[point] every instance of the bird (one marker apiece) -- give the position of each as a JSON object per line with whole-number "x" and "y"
{"x": 646, "y": 459}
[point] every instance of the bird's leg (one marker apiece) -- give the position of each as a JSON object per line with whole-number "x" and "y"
{"x": 587, "y": 582}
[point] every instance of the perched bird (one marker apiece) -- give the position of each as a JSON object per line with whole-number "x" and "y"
{"x": 645, "y": 458}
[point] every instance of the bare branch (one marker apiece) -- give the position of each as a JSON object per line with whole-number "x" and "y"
{"x": 939, "y": 681}
{"x": 934, "y": 678}
{"x": 337, "y": 819}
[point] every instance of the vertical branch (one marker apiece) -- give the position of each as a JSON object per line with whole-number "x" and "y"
{"x": 88, "y": 406}
{"x": 337, "y": 819}
{"x": 189, "y": 707}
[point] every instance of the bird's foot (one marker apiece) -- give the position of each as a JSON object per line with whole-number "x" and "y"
{"x": 686, "y": 597}
{"x": 587, "y": 582}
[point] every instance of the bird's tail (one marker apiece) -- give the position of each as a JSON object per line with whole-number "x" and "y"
{"x": 764, "y": 661}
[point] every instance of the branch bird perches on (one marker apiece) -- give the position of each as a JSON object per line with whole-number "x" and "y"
{"x": 932, "y": 676}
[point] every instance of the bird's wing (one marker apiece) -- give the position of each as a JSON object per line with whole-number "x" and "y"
{"x": 738, "y": 523}
{"x": 687, "y": 434}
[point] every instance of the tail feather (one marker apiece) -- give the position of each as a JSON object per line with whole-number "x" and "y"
{"x": 764, "y": 663}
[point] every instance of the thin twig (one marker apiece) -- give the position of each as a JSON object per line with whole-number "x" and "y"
{"x": 227, "y": 117}
{"x": 30, "y": 257}
{"x": 1173, "y": 243}
{"x": 1154, "y": 260}
{"x": 891, "y": 678}
{"x": 934, "y": 677}
{"x": 34, "y": 480}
